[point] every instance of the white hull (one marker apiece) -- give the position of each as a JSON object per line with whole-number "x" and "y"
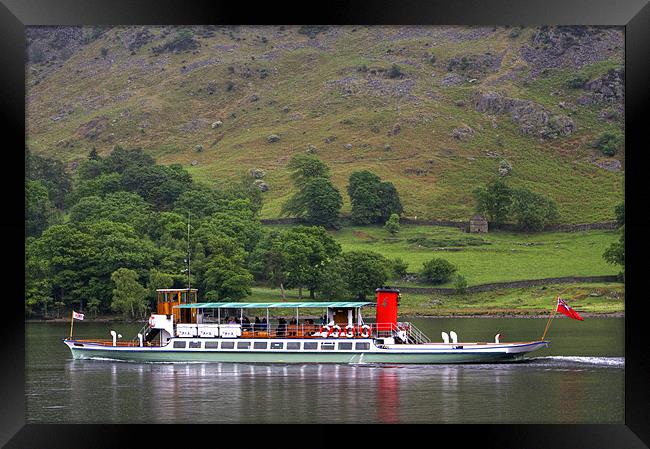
{"x": 326, "y": 351}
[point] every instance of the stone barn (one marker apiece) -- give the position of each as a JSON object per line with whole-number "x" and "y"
{"x": 478, "y": 224}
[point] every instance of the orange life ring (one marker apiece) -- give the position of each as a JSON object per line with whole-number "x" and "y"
{"x": 336, "y": 328}
{"x": 152, "y": 321}
{"x": 349, "y": 331}
{"x": 326, "y": 329}
{"x": 365, "y": 331}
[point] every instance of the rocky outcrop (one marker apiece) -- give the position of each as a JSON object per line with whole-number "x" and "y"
{"x": 273, "y": 138}
{"x": 135, "y": 38}
{"x": 571, "y": 46}
{"x": 53, "y": 43}
{"x": 182, "y": 41}
{"x": 533, "y": 119}
{"x": 92, "y": 129}
{"x": 609, "y": 88}
{"x": 475, "y": 66}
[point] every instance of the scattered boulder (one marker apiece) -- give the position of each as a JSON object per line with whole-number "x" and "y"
{"x": 217, "y": 124}
{"x": 504, "y": 168}
{"x": 460, "y": 103}
{"x": 285, "y": 109}
{"x": 311, "y": 149}
{"x": 348, "y": 146}
{"x": 609, "y": 164}
{"x": 195, "y": 162}
{"x": 387, "y": 147}
{"x": 417, "y": 171}
{"x": 452, "y": 79}
{"x": 263, "y": 186}
{"x": 330, "y": 139}
{"x": 254, "y": 98}
{"x": 609, "y": 115}
{"x": 198, "y": 148}
{"x": 463, "y": 133}
{"x": 273, "y": 138}
{"x": 257, "y": 173}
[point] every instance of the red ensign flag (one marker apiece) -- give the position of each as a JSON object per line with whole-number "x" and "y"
{"x": 77, "y": 316}
{"x": 568, "y": 311}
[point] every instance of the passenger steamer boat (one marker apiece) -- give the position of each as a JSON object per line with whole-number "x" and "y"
{"x": 183, "y": 330}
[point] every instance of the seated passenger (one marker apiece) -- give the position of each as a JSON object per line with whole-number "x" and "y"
{"x": 282, "y": 327}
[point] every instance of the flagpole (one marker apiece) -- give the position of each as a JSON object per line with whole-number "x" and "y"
{"x": 71, "y": 323}
{"x": 548, "y": 323}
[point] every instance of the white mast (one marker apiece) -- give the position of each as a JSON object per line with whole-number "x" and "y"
{"x": 188, "y": 254}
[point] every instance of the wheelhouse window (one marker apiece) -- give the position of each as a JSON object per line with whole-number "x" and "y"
{"x": 345, "y": 345}
{"x": 195, "y": 344}
{"x": 293, "y": 345}
{"x": 277, "y": 345}
{"x": 311, "y": 345}
{"x": 243, "y": 345}
{"x": 364, "y": 346}
{"x": 211, "y": 344}
{"x": 180, "y": 344}
{"x": 228, "y": 345}
{"x": 327, "y": 346}
{"x": 260, "y": 345}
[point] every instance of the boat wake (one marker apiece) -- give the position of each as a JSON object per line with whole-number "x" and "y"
{"x": 572, "y": 361}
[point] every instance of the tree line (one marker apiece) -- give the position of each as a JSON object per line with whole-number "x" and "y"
{"x": 106, "y": 238}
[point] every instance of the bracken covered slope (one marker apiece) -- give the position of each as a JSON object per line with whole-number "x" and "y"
{"x": 436, "y": 110}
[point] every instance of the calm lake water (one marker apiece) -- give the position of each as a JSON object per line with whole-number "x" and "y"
{"x": 579, "y": 379}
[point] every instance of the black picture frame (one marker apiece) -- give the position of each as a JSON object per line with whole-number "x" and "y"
{"x": 634, "y": 15}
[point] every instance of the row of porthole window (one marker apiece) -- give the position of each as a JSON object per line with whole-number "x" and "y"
{"x": 291, "y": 346}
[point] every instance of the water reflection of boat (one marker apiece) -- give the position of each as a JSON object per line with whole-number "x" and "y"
{"x": 184, "y": 330}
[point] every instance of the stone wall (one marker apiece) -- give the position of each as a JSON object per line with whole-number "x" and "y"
{"x": 464, "y": 225}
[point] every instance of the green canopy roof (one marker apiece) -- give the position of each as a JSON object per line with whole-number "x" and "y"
{"x": 269, "y": 305}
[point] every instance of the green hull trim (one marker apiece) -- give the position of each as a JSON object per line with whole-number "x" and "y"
{"x": 293, "y": 357}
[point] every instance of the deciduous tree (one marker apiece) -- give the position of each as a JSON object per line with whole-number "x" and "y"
{"x": 129, "y": 297}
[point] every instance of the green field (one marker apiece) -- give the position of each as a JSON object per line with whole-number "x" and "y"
{"x": 492, "y": 257}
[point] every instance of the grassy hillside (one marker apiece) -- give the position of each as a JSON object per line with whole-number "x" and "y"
{"x": 163, "y": 89}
